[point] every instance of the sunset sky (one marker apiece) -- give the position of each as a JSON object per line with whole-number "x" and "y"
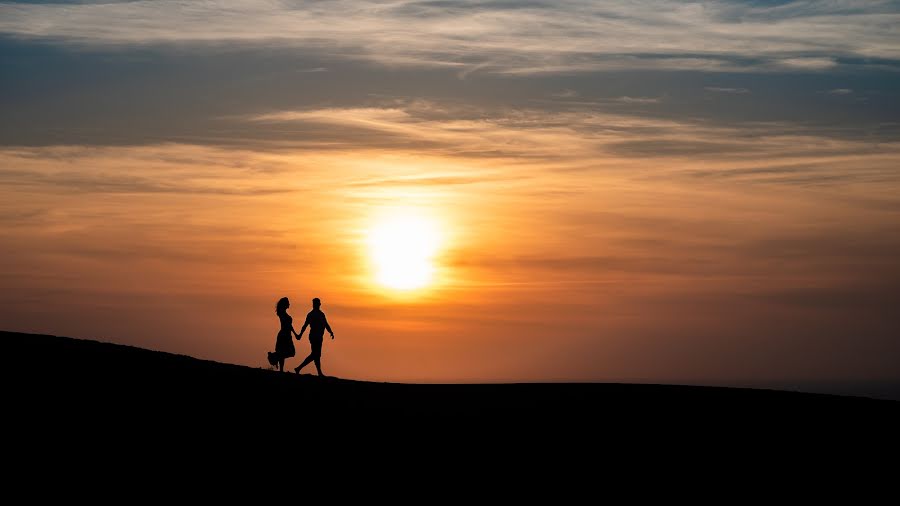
{"x": 665, "y": 191}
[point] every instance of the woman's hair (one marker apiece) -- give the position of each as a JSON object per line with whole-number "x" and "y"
{"x": 282, "y": 305}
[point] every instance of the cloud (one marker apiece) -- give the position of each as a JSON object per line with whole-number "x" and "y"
{"x": 106, "y": 183}
{"x": 807, "y": 63}
{"x": 840, "y": 91}
{"x": 419, "y": 180}
{"x": 175, "y": 169}
{"x": 791, "y": 154}
{"x": 497, "y": 36}
{"x": 442, "y": 145}
{"x": 516, "y": 133}
{"x": 376, "y": 117}
{"x": 736, "y": 91}
{"x": 639, "y": 100}
{"x": 565, "y": 94}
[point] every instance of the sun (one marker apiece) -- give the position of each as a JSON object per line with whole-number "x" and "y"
{"x": 402, "y": 245}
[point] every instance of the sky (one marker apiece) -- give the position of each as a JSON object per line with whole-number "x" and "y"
{"x": 652, "y": 191}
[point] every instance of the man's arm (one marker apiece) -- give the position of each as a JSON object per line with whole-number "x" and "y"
{"x": 327, "y": 326}
{"x": 303, "y": 329}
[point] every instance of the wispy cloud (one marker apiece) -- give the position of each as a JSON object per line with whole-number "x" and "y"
{"x": 639, "y": 100}
{"x": 464, "y": 147}
{"x": 717, "y": 89}
{"x": 793, "y": 154}
{"x": 808, "y": 63}
{"x": 840, "y": 91}
{"x": 497, "y": 36}
{"x": 565, "y": 94}
{"x": 177, "y": 169}
{"x": 106, "y": 183}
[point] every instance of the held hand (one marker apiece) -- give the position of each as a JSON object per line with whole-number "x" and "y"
{"x": 332, "y": 335}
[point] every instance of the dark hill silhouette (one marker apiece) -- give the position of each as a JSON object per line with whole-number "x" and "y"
{"x": 74, "y": 398}
{"x": 110, "y": 376}
{"x": 163, "y": 418}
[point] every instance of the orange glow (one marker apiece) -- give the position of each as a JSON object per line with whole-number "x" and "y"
{"x": 665, "y": 191}
{"x": 568, "y": 263}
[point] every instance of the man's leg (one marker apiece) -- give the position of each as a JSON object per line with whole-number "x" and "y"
{"x": 317, "y": 355}
{"x": 306, "y": 361}
{"x": 319, "y": 365}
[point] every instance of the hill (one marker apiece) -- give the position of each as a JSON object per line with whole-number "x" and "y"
{"x": 68, "y": 371}
{"x": 77, "y": 397}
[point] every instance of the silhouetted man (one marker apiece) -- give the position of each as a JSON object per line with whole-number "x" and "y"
{"x": 317, "y": 324}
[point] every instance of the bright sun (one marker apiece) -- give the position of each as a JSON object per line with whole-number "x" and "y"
{"x": 403, "y": 245}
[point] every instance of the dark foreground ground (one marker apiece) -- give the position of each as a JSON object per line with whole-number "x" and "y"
{"x": 83, "y": 372}
{"x": 83, "y": 417}
{"x": 60, "y": 386}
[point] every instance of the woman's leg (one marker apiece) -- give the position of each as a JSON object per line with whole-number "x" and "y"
{"x": 281, "y": 364}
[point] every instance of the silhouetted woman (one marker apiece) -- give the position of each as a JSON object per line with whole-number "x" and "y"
{"x": 284, "y": 343}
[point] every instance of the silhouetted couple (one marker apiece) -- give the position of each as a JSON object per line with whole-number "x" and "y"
{"x": 284, "y": 345}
